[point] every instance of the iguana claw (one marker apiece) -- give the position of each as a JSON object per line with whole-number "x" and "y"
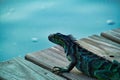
{"x": 56, "y": 69}
{"x": 59, "y": 70}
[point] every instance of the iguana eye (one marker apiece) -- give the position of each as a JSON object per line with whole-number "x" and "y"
{"x": 58, "y": 34}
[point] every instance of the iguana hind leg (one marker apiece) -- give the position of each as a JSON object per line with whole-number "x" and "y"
{"x": 103, "y": 74}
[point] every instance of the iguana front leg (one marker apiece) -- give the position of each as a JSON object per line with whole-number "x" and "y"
{"x": 68, "y": 68}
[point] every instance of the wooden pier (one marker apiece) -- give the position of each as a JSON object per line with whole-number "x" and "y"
{"x": 106, "y": 45}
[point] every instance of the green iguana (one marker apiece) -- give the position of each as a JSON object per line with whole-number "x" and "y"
{"x": 85, "y": 61}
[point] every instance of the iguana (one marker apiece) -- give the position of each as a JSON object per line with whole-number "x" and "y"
{"x": 84, "y": 60}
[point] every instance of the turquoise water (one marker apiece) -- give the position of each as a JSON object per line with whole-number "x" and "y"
{"x": 24, "y": 20}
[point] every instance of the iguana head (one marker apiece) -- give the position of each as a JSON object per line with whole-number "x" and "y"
{"x": 61, "y": 39}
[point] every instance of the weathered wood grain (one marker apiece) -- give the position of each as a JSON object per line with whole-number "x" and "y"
{"x": 20, "y": 69}
{"x": 101, "y": 46}
{"x": 117, "y": 30}
{"x": 55, "y": 57}
{"x": 113, "y": 35}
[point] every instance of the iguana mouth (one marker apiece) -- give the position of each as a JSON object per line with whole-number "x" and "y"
{"x": 55, "y": 38}
{"x": 50, "y": 37}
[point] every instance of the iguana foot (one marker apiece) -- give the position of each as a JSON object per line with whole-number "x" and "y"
{"x": 59, "y": 70}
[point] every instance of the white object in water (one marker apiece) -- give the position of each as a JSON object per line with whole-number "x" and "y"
{"x": 34, "y": 39}
{"x": 110, "y": 22}
{"x": 10, "y": 11}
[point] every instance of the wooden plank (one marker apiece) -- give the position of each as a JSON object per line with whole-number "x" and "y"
{"x": 55, "y": 56}
{"x": 113, "y": 35}
{"x": 20, "y": 69}
{"x": 117, "y": 30}
{"x": 102, "y": 47}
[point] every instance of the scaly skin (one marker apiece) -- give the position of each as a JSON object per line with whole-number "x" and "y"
{"x": 85, "y": 61}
